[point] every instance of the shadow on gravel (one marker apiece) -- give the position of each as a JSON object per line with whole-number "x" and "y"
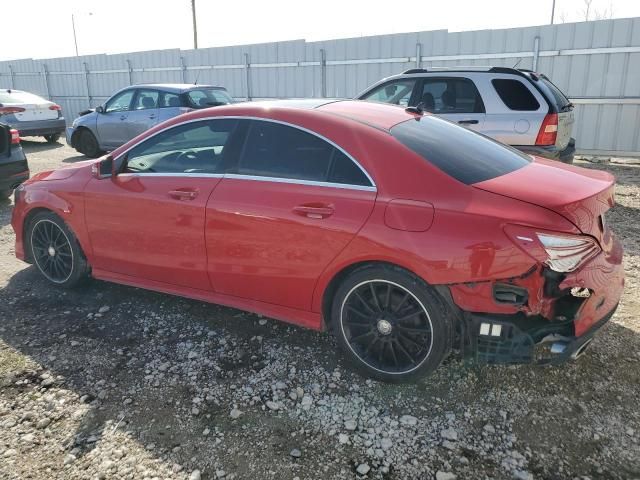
{"x": 31, "y": 145}
{"x": 107, "y": 360}
{"x": 111, "y": 362}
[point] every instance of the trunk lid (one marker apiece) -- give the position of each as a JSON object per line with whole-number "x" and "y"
{"x": 35, "y": 112}
{"x": 580, "y": 195}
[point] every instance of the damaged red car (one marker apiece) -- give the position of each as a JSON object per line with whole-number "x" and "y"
{"x": 405, "y": 235}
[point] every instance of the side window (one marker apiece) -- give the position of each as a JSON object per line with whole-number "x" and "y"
{"x": 168, "y": 99}
{"x": 146, "y": 99}
{"x": 451, "y": 95}
{"x": 275, "y": 150}
{"x": 515, "y": 95}
{"x": 397, "y": 92}
{"x": 343, "y": 170}
{"x": 196, "y": 147}
{"x": 121, "y": 102}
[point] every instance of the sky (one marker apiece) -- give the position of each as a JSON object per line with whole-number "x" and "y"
{"x": 43, "y": 28}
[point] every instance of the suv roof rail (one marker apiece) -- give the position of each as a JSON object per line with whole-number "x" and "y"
{"x": 415, "y": 70}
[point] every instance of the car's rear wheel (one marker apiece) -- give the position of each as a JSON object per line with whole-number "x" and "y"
{"x": 53, "y": 138}
{"x": 389, "y": 324}
{"x": 55, "y": 250}
{"x": 88, "y": 144}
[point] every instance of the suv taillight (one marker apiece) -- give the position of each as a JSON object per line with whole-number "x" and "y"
{"x": 548, "y": 131}
{"x": 55, "y": 107}
{"x": 15, "y": 136}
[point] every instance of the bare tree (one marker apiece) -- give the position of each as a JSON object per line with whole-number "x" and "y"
{"x": 587, "y": 9}
{"x": 604, "y": 14}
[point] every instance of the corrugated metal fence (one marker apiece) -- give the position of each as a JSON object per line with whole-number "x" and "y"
{"x": 596, "y": 63}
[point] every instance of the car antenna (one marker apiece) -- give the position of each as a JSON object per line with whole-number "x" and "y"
{"x": 517, "y": 63}
{"x": 419, "y": 109}
{"x": 197, "y": 76}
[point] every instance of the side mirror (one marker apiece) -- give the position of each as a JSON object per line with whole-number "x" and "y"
{"x": 103, "y": 168}
{"x": 100, "y": 109}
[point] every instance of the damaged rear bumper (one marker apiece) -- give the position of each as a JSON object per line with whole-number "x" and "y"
{"x": 542, "y": 317}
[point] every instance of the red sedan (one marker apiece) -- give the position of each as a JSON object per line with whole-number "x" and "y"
{"x": 405, "y": 235}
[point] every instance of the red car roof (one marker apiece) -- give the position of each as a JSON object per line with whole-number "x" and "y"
{"x": 378, "y": 115}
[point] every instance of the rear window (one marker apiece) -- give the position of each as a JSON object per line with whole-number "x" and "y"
{"x": 561, "y": 100}
{"x": 20, "y": 97}
{"x": 515, "y": 95}
{"x": 464, "y": 155}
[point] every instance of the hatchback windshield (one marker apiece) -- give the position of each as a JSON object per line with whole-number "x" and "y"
{"x": 465, "y": 155}
{"x": 208, "y": 97}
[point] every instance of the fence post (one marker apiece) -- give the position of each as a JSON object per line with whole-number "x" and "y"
{"x": 418, "y": 55}
{"x": 45, "y": 74}
{"x": 184, "y": 70}
{"x": 130, "y": 71}
{"x": 323, "y": 73}
{"x": 86, "y": 79}
{"x": 536, "y": 53}
{"x": 13, "y": 77}
{"x": 247, "y": 70}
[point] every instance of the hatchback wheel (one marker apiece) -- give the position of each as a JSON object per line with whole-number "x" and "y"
{"x": 53, "y": 138}
{"x": 389, "y": 324}
{"x": 55, "y": 250}
{"x": 88, "y": 144}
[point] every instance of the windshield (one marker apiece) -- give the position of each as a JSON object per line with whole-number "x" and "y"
{"x": 208, "y": 97}
{"x": 465, "y": 155}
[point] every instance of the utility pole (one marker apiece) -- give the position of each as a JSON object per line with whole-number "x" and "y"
{"x": 195, "y": 25}
{"x": 75, "y": 39}
{"x": 553, "y": 10}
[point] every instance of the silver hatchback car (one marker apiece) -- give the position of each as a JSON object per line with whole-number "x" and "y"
{"x": 518, "y": 107}
{"x": 134, "y": 109}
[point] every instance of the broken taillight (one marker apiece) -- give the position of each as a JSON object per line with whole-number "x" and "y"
{"x": 561, "y": 252}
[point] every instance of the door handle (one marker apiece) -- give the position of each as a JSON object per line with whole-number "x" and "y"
{"x": 183, "y": 194}
{"x": 314, "y": 211}
{"x": 468, "y": 122}
{"x": 123, "y": 117}
{"x": 152, "y": 116}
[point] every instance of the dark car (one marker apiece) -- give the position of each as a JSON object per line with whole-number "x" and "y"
{"x": 13, "y": 163}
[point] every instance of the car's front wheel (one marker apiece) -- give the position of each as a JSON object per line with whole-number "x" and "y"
{"x": 389, "y": 324}
{"x": 55, "y": 250}
{"x": 88, "y": 144}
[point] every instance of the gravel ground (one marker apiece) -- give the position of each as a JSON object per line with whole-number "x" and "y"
{"x": 110, "y": 381}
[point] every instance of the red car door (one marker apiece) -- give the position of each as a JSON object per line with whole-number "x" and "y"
{"x": 292, "y": 203}
{"x": 148, "y": 221}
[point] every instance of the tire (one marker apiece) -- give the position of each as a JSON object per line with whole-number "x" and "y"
{"x": 53, "y": 138}
{"x": 412, "y": 344}
{"x": 88, "y": 145}
{"x": 55, "y": 250}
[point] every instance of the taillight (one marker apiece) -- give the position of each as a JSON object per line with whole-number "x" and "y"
{"x": 55, "y": 107}
{"x": 548, "y": 131}
{"x": 10, "y": 110}
{"x": 560, "y": 252}
{"x": 15, "y": 136}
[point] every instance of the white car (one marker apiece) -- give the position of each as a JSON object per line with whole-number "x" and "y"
{"x": 31, "y": 115}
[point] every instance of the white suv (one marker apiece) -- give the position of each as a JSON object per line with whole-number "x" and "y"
{"x": 518, "y": 107}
